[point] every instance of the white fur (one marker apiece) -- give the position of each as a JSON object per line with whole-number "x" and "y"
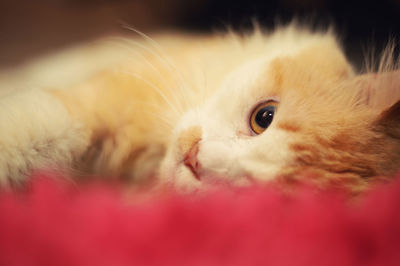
{"x": 227, "y": 148}
{"x": 36, "y": 132}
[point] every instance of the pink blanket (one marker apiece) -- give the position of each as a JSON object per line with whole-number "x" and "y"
{"x": 58, "y": 224}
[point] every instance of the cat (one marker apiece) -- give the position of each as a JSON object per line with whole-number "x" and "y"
{"x": 198, "y": 111}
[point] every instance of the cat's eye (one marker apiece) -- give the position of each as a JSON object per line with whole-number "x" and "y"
{"x": 262, "y": 116}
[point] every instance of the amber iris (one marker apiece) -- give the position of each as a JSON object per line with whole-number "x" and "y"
{"x": 262, "y": 116}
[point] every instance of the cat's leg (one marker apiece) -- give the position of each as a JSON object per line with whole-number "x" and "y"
{"x": 36, "y": 131}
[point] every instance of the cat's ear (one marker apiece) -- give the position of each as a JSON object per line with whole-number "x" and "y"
{"x": 389, "y": 121}
{"x": 379, "y": 91}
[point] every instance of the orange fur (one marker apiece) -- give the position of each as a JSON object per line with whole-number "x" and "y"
{"x": 143, "y": 116}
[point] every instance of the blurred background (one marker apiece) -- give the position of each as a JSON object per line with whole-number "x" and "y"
{"x": 30, "y": 28}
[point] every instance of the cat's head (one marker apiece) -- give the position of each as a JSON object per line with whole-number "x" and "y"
{"x": 289, "y": 114}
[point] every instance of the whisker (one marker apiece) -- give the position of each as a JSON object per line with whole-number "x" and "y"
{"x": 150, "y": 112}
{"x": 205, "y": 85}
{"x": 155, "y": 69}
{"x": 162, "y": 118}
{"x": 165, "y": 121}
{"x": 179, "y": 85}
{"x": 158, "y": 48}
{"x": 163, "y": 96}
{"x": 161, "y": 52}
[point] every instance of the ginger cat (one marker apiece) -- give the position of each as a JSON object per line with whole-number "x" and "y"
{"x": 195, "y": 111}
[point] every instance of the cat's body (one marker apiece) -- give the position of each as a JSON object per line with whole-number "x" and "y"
{"x": 185, "y": 109}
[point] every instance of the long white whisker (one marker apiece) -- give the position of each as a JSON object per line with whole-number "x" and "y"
{"x": 158, "y": 48}
{"x": 155, "y": 69}
{"x": 162, "y": 60}
{"x": 203, "y": 92}
{"x": 161, "y": 52}
{"x": 155, "y": 106}
{"x": 163, "y": 96}
{"x": 162, "y": 118}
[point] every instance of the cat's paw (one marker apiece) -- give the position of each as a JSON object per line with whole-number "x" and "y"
{"x": 36, "y": 131}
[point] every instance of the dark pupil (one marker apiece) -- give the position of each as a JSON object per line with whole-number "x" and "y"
{"x": 264, "y": 116}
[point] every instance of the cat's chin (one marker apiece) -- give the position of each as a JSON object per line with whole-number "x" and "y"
{"x": 176, "y": 174}
{"x": 180, "y": 178}
{"x": 183, "y": 179}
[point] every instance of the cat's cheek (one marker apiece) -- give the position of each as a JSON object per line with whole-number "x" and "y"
{"x": 220, "y": 162}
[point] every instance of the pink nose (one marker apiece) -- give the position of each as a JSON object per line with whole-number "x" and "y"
{"x": 191, "y": 161}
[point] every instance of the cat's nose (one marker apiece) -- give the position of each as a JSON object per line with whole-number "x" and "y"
{"x": 188, "y": 143}
{"x": 190, "y": 160}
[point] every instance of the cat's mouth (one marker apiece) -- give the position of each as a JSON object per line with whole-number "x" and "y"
{"x": 193, "y": 168}
{"x": 212, "y": 178}
{"x": 191, "y": 163}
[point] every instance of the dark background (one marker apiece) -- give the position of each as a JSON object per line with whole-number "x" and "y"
{"x": 30, "y": 28}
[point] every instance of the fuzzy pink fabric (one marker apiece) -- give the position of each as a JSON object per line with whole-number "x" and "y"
{"x": 57, "y": 224}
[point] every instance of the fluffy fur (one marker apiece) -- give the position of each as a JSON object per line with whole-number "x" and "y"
{"x": 56, "y": 224}
{"x": 191, "y": 96}
{"x": 36, "y": 132}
